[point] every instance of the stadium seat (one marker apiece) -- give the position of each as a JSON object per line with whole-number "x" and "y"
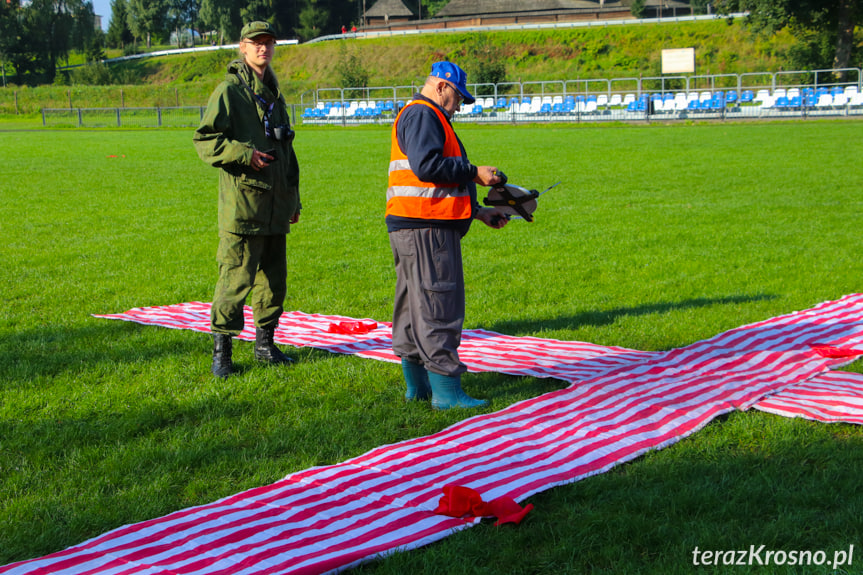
{"x": 763, "y": 95}
{"x": 730, "y": 97}
{"x": 602, "y": 100}
{"x": 545, "y": 108}
{"x": 746, "y": 97}
{"x": 476, "y": 110}
{"x": 615, "y": 100}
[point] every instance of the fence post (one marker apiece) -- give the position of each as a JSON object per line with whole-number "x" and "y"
{"x": 69, "y": 94}
{"x": 122, "y": 99}
{"x": 80, "y": 118}
{"x": 159, "y": 117}
{"x": 16, "y": 103}
{"x": 118, "y": 117}
{"x": 43, "y": 118}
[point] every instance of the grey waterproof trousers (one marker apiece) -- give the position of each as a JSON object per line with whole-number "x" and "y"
{"x": 428, "y": 312}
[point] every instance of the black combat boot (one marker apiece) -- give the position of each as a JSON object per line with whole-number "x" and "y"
{"x": 222, "y": 346}
{"x": 265, "y": 349}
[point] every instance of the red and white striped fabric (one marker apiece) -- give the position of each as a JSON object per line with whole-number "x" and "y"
{"x": 835, "y": 396}
{"x": 623, "y": 404}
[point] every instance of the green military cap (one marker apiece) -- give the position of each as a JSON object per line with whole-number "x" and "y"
{"x": 255, "y": 29}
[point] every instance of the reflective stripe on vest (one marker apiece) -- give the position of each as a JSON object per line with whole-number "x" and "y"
{"x": 410, "y": 197}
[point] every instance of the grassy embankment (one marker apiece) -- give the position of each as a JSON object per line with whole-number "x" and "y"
{"x": 613, "y": 52}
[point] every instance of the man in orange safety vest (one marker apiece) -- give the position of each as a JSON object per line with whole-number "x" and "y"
{"x": 431, "y": 202}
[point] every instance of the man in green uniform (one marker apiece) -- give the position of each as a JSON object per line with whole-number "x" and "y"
{"x": 246, "y": 133}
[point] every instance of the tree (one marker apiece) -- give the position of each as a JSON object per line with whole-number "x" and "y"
{"x": 10, "y": 32}
{"x": 182, "y": 16}
{"x": 313, "y": 20}
{"x": 223, "y": 16}
{"x": 119, "y": 35}
{"x": 257, "y": 10}
{"x": 49, "y": 29}
{"x": 432, "y": 7}
{"x": 147, "y": 18}
{"x": 815, "y": 23}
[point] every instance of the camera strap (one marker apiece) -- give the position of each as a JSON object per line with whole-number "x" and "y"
{"x": 266, "y": 108}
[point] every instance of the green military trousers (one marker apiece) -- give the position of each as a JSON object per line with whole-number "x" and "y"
{"x": 249, "y": 263}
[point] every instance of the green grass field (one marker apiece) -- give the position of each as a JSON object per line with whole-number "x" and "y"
{"x": 659, "y": 236}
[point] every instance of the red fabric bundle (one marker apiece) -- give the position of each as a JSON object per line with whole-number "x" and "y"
{"x": 459, "y": 501}
{"x": 352, "y": 327}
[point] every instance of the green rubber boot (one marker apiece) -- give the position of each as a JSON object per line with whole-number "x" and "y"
{"x": 447, "y": 393}
{"x": 417, "y": 380}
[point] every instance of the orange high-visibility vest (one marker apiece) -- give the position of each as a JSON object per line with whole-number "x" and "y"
{"x": 410, "y": 197}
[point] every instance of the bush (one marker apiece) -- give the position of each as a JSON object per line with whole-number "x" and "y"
{"x": 485, "y": 64}
{"x": 351, "y": 71}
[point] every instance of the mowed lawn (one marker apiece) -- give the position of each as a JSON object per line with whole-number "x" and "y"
{"x": 657, "y": 237}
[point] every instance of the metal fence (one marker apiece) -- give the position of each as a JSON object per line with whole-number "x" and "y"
{"x": 765, "y": 95}
{"x": 762, "y": 95}
{"x": 173, "y": 117}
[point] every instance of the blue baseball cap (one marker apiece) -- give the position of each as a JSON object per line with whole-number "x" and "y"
{"x": 454, "y": 75}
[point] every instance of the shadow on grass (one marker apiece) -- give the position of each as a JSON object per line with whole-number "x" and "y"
{"x": 598, "y": 318}
{"x": 55, "y": 351}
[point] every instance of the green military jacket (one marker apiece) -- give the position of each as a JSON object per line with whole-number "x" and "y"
{"x": 250, "y": 202}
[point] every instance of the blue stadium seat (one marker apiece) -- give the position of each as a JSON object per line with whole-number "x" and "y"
{"x": 747, "y": 96}
{"x": 545, "y": 109}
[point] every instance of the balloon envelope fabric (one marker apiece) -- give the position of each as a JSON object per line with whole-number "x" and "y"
{"x": 621, "y": 404}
